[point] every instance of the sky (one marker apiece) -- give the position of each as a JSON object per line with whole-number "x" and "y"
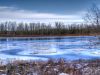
{"x": 68, "y": 11}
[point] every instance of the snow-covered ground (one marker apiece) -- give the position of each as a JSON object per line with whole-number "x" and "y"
{"x": 70, "y": 48}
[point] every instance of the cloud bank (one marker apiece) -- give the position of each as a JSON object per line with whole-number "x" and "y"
{"x": 19, "y": 15}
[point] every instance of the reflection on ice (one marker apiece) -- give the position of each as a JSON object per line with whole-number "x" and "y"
{"x": 66, "y": 47}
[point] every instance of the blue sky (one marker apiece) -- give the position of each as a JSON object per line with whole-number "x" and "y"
{"x": 44, "y": 10}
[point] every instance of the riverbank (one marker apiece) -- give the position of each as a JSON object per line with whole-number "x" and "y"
{"x": 52, "y": 67}
{"x": 9, "y": 35}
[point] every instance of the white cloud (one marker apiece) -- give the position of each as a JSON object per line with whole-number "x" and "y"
{"x": 15, "y": 14}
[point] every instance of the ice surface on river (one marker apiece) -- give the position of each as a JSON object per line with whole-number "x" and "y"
{"x": 70, "y": 48}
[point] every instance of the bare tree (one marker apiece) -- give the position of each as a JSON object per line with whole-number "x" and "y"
{"x": 93, "y": 15}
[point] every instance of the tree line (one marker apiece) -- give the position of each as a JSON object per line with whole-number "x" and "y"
{"x": 13, "y": 28}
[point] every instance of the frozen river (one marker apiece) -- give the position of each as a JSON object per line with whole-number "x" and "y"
{"x": 69, "y": 47}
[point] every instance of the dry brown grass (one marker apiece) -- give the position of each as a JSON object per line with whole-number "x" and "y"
{"x": 52, "y": 67}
